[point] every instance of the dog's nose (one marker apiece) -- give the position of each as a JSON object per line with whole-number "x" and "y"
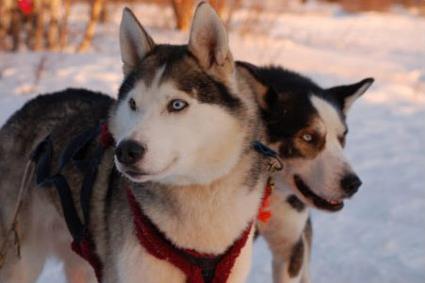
{"x": 129, "y": 152}
{"x": 351, "y": 184}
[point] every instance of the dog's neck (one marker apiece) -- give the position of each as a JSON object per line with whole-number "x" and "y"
{"x": 206, "y": 218}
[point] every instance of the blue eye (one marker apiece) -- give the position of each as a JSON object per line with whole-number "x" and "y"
{"x": 177, "y": 105}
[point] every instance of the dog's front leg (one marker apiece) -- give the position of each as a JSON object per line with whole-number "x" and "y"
{"x": 288, "y": 235}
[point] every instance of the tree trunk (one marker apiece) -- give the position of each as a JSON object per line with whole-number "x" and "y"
{"x": 183, "y": 13}
{"x": 39, "y": 25}
{"x": 104, "y": 14}
{"x": 16, "y": 25}
{"x": 53, "y": 27}
{"x": 5, "y": 21}
{"x": 96, "y": 8}
{"x": 63, "y": 35}
{"x": 219, "y": 6}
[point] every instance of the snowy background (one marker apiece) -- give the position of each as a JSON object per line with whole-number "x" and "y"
{"x": 380, "y": 235}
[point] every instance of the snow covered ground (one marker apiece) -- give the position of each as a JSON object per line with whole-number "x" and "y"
{"x": 380, "y": 235}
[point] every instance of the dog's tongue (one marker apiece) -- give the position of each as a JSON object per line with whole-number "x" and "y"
{"x": 334, "y": 202}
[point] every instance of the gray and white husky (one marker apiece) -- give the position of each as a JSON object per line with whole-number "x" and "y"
{"x": 307, "y": 125}
{"x": 183, "y": 124}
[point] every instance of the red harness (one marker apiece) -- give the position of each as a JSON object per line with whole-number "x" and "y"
{"x": 198, "y": 267}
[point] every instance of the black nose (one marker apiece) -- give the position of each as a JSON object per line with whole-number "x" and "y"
{"x": 129, "y": 152}
{"x": 351, "y": 184}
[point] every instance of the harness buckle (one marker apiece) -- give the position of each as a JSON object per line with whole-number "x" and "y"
{"x": 275, "y": 164}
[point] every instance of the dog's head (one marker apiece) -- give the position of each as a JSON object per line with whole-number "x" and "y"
{"x": 181, "y": 117}
{"x": 306, "y": 124}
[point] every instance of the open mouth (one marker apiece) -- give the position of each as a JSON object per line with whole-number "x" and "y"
{"x": 319, "y": 202}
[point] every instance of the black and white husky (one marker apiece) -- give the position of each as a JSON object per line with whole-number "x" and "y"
{"x": 184, "y": 125}
{"x": 307, "y": 125}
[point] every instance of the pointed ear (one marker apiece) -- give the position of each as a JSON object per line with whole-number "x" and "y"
{"x": 208, "y": 40}
{"x": 251, "y": 74}
{"x": 135, "y": 42}
{"x": 346, "y": 95}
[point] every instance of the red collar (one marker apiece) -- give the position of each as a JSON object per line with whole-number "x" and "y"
{"x": 198, "y": 268}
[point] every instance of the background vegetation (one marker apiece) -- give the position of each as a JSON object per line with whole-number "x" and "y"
{"x": 43, "y": 24}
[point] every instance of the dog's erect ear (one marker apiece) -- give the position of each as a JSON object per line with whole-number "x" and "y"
{"x": 346, "y": 95}
{"x": 208, "y": 40}
{"x": 252, "y": 76}
{"x": 135, "y": 42}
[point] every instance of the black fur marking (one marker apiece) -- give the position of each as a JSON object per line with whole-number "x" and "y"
{"x": 127, "y": 85}
{"x": 182, "y": 68}
{"x": 209, "y": 90}
{"x": 343, "y": 137}
{"x": 340, "y": 94}
{"x": 160, "y": 55}
{"x": 296, "y": 203}
{"x": 296, "y": 259}
{"x": 308, "y": 233}
{"x": 288, "y": 150}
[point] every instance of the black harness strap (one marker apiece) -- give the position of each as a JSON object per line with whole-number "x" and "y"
{"x": 76, "y": 152}
{"x": 88, "y": 167}
{"x": 206, "y": 264}
{"x": 42, "y": 157}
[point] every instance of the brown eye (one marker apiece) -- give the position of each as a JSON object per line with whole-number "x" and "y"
{"x": 308, "y": 138}
{"x": 132, "y": 104}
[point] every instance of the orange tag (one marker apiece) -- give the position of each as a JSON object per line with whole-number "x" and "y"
{"x": 264, "y": 213}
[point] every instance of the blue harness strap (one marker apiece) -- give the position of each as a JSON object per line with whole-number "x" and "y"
{"x": 276, "y": 164}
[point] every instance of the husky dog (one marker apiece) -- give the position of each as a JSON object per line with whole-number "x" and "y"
{"x": 306, "y": 124}
{"x": 41, "y": 228}
{"x": 183, "y": 125}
